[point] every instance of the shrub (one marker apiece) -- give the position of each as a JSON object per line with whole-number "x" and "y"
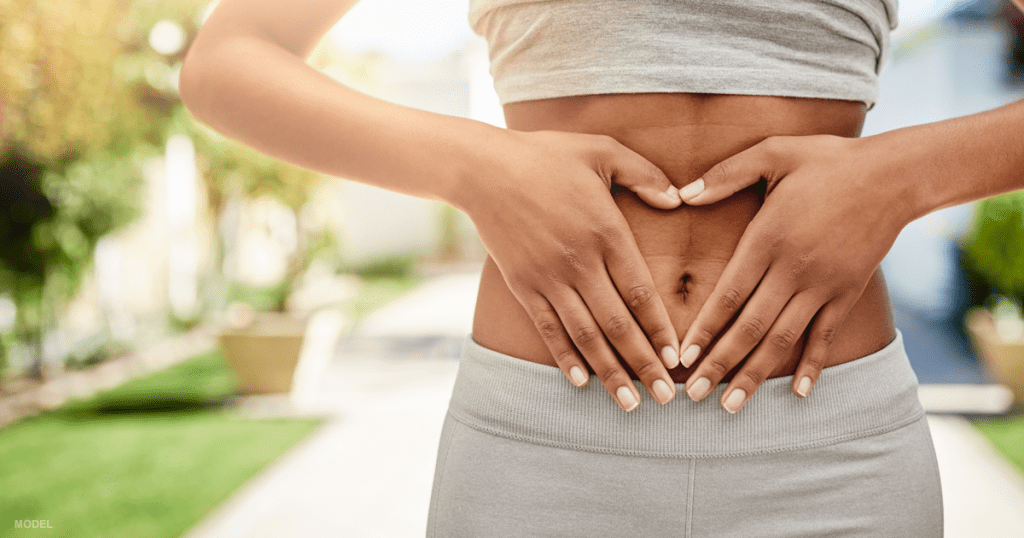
{"x": 994, "y": 250}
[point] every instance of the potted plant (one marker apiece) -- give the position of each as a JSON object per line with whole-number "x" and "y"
{"x": 263, "y": 350}
{"x": 994, "y": 254}
{"x": 265, "y": 330}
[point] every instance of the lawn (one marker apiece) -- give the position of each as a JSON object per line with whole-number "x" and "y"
{"x": 1007, "y": 435}
{"x": 147, "y": 459}
{"x": 376, "y": 292}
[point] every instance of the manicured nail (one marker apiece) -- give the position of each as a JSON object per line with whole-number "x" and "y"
{"x": 662, "y": 392}
{"x": 626, "y": 398}
{"x": 672, "y": 195}
{"x": 804, "y": 388}
{"x": 698, "y": 389}
{"x": 690, "y": 355}
{"x": 669, "y": 355}
{"x": 578, "y": 377}
{"x": 691, "y": 190}
{"x": 734, "y": 402}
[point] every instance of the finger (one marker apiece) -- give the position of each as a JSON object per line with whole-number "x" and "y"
{"x": 741, "y": 275}
{"x": 629, "y": 169}
{"x": 819, "y": 343}
{"x": 628, "y": 339}
{"x": 590, "y": 340}
{"x": 632, "y": 278}
{"x": 731, "y": 175}
{"x": 773, "y": 350}
{"x": 557, "y": 340}
{"x": 743, "y": 336}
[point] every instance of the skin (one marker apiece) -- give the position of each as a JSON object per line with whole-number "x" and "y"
{"x": 687, "y": 249}
{"x": 583, "y": 277}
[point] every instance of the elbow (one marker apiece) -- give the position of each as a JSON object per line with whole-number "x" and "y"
{"x": 190, "y": 81}
{"x": 199, "y": 80}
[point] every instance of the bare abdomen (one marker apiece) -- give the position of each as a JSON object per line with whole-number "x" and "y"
{"x": 687, "y": 248}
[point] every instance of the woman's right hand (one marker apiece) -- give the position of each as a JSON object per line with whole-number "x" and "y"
{"x": 542, "y": 205}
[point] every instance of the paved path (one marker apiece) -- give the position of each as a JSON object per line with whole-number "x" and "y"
{"x": 367, "y": 473}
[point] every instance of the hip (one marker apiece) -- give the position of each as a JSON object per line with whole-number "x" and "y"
{"x": 522, "y": 449}
{"x": 508, "y": 397}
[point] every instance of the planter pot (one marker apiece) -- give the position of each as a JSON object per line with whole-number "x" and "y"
{"x": 264, "y": 353}
{"x": 1003, "y": 359}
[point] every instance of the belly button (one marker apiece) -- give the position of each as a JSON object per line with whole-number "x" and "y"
{"x": 684, "y": 285}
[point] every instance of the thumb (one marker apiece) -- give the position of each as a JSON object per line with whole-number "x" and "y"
{"x": 727, "y": 177}
{"x": 634, "y": 172}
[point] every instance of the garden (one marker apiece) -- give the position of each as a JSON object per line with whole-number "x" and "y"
{"x": 89, "y": 133}
{"x": 125, "y": 225}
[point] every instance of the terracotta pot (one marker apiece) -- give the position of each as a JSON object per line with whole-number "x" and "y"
{"x": 264, "y": 353}
{"x": 1005, "y": 360}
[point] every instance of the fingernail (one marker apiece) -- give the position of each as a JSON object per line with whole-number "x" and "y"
{"x": 669, "y": 355}
{"x": 578, "y": 377}
{"x": 662, "y": 392}
{"x": 690, "y": 355}
{"x": 691, "y": 190}
{"x": 734, "y": 402}
{"x": 672, "y": 195}
{"x": 626, "y": 398}
{"x": 804, "y": 388}
{"x": 698, "y": 389}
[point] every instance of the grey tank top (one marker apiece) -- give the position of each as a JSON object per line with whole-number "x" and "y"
{"x": 832, "y": 49}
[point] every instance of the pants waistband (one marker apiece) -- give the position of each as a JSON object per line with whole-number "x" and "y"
{"x": 514, "y": 398}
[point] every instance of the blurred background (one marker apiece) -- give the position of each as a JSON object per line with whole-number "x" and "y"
{"x": 199, "y": 340}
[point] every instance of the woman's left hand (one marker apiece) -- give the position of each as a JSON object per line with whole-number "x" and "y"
{"x": 829, "y": 217}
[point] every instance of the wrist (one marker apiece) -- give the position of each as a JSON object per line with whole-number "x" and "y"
{"x": 475, "y": 168}
{"x": 951, "y": 162}
{"x": 896, "y": 173}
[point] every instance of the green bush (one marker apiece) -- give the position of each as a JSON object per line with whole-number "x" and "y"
{"x": 51, "y": 224}
{"x": 994, "y": 250}
{"x": 79, "y": 121}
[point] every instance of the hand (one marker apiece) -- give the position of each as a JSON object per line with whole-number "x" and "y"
{"x": 804, "y": 260}
{"x": 543, "y": 209}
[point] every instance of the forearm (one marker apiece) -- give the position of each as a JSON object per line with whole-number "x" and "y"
{"x": 265, "y": 96}
{"x": 952, "y": 162}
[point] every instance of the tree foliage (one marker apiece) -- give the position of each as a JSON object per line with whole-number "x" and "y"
{"x": 80, "y": 115}
{"x": 85, "y": 100}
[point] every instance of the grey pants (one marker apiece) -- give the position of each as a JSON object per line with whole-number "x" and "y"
{"x": 523, "y": 453}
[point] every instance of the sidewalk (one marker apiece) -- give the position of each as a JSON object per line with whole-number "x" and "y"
{"x": 368, "y": 472}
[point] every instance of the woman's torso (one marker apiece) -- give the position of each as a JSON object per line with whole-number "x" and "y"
{"x": 686, "y": 249}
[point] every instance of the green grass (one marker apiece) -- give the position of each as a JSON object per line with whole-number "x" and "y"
{"x": 376, "y": 292}
{"x": 1007, "y": 435}
{"x": 148, "y": 459}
